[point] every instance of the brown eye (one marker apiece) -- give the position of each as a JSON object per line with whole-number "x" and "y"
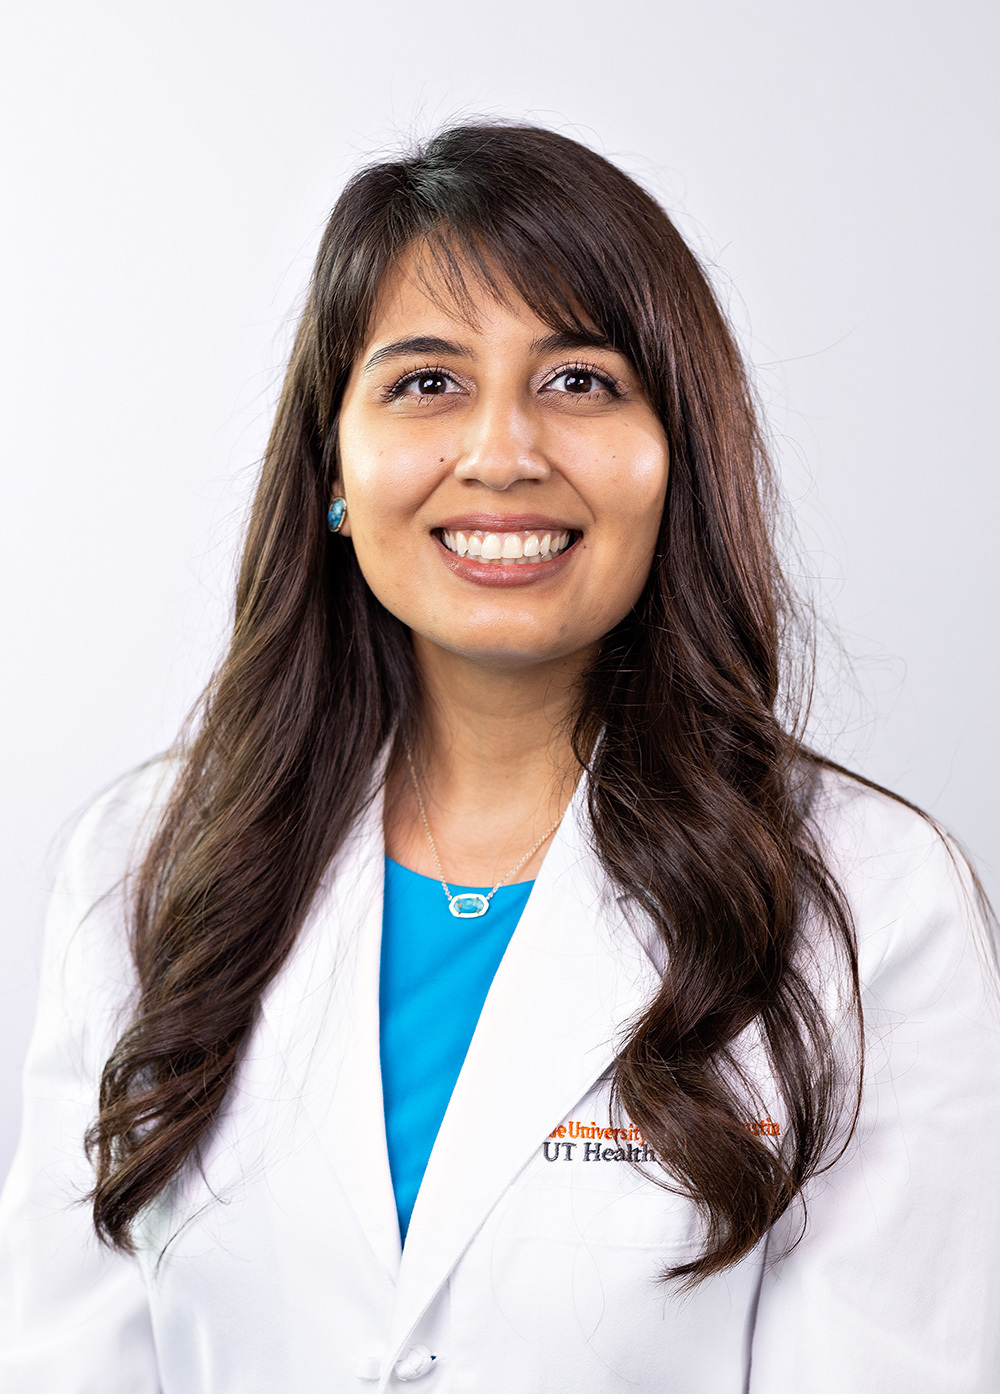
{"x": 583, "y": 382}
{"x": 578, "y": 382}
{"x": 430, "y": 384}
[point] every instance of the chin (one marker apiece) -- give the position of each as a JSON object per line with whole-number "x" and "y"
{"x": 511, "y": 657}
{"x": 496, "y": 650}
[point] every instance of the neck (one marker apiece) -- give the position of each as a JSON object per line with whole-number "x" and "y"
{"x": 495, "y": 763}
{"x": 489, "y": 731}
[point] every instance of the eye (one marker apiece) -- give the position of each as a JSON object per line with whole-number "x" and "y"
{"x": 428, "y": 382}
{"x": 581, "y": 381}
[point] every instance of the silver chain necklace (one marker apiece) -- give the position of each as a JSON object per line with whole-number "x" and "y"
{"x": 469, "y": 905}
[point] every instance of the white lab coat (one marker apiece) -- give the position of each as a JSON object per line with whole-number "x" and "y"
{"x": 529, "y": 1269}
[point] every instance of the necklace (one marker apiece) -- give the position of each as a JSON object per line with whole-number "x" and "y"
{"x": 470, "y": 904}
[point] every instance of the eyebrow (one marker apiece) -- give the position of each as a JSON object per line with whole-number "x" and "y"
{"x": 423, "y": 344}
{"x": 430, "y": 344}
{"x": 566, "y": 343}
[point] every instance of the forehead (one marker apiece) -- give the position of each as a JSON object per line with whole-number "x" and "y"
{"x": 420, "y": 292}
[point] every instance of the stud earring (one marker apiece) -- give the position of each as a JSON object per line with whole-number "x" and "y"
{"x": 336, "y": 514}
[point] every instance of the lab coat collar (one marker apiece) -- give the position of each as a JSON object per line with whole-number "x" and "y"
{"x": 573, "y": 975}
{"x": 322, "y": 1019}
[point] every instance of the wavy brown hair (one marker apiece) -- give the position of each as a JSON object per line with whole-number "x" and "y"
{"x": 698, "y": 789}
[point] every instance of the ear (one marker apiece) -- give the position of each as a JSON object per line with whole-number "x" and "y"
{"x": 331, "y": 462}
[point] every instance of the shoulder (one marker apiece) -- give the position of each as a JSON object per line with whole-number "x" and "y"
{"x": 909, "y": 887}
{"x": 108, "y": 837}
{"x": 86, "y": 929}
{"x": 867, "y": 828}
{"x": 87, "y": 982}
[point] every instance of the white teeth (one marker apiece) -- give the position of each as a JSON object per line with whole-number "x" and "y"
{"x": 507, "y": 548}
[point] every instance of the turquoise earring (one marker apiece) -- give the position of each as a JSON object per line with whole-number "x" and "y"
{"x": 336, "y": 514}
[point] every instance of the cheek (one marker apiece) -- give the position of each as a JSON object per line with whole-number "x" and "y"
{"x": 383, "y": 480}
{"x": 627, "y": 497}
{"x": 627, "y": 488}
{"x": 639, "y": 469}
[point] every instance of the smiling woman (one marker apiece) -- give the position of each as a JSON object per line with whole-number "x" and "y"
{"x": 492, "y": 987}
{"x": 511, "y": 448}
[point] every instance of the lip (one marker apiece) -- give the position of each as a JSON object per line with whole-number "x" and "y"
{"x": 484, "y": 573}
{"x": 505, "y": 522}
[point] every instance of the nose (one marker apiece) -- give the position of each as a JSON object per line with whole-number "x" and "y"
{"x": 501, "y": 446}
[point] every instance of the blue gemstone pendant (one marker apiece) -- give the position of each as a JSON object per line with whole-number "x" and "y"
{"x": 336, "y": 515}
{"x": 469, "y": 905}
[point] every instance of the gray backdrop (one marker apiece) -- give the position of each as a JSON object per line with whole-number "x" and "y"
{"x": 170, "y": 169}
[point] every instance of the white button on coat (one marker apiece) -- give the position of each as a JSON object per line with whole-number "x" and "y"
{"x": 415, "y": 1363}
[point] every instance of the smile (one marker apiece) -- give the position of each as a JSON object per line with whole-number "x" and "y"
{"x": 524, "y": 548}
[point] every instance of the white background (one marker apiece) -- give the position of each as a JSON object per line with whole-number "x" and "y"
{"x": 168, "y": 172}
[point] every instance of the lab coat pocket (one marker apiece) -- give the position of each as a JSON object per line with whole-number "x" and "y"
{"x": 590, "y": 1187}
{"x": 572, "y": 1260}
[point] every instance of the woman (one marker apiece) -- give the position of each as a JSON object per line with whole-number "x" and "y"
{"x": 493, "y": 905}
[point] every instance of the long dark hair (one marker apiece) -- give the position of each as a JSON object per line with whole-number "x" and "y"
{"x": 697, "y": 786}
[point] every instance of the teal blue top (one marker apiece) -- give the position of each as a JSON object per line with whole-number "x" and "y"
{"x": 434, "y": 975}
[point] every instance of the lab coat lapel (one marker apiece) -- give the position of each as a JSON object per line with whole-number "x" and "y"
{"x": 322, "y": 1019}
{"x": 573, "y": 975}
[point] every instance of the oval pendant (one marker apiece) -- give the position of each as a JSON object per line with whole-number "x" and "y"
{"x": 469, "y": 905}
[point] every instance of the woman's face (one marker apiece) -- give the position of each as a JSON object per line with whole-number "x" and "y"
{"x": 504, "y": 485}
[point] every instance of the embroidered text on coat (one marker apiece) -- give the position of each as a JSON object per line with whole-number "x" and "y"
{"x": 764, "y": 1127}
{"x": 589, "y": 1137}
{"x": 576, "y": 1141}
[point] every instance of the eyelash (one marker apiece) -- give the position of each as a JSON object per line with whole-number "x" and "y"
{"x": 605, "y": 379}
{"x": 389, "y": 394}
{"x": 395, "y": 390}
